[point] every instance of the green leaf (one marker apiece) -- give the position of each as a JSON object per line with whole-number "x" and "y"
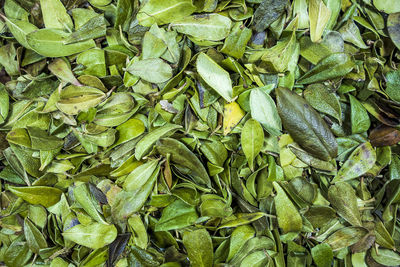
{"x": 94, "y": 235}
{"x": 88, "y": 203}
{"x": 386, "y": 257}
{"x": 182, "y": 156}
{"x": 215, "y": 152}
{"x": 153, "y": 47}
{"x": 345, "y": 237}
{"x": 26, "y": 160}
{"x": 252, "y": 140}
{"x": 264, "y": 111}
{"x": 55, "y": 15}
{"x": 215, "y": 76}
{"x": 238, "y": 238}
{"x": 18, "y": 253}
{"x": 392, "y": 84}
{"x": 319, "y": 17}
{"x": 19, "y": 136}
{"x": 359, "y": 117}
{"x": 213, "y": 27}
{"x": 387, "y": 6}
{"x": 92, "y": 29}
{"x": 343, "y": 198}
{"x": 37, "y": 195}
{"x": 333, "y": 66}
{"x": 147, "y": 142}
{"x": 383, "y": 238}
{"x": 312, "y": 161}
{"x": 153, "y": 70}
{"x": 34, "y": 237}
{"x": 393, "y": 26}
{"x": 235, "y": 43}
{"x": 199, "y": 247}
{"x": 351, "y": 34}
{"x": 62, "y": 70}
{"x": 74, "y": 99}
{"x": 268, "y": 12}
{"x": 50, "y": 43}
{"x": 94, "y": 61}
{"x": 115, "y": 110}
{"x": 163, "y": 12}
{"x": 176, "y": 216}
{"x": 20, "y": 29}
{"x": 322, "y": 255}
{"x": 4, "y": 104}
{"x": 126, "y": 9}
{"x": 324, "y": 100}
{"x": 242, "y": 219}
{"x": 359, "y": 162}
{"x": 254, "y": 244}
{"x": 40, "y": 140}
{"x": 129, "y": 130}
{"x": 305, "y": 125}
{"x": 127, "y": 203}
{"x": 277, "y": 58}
{"x": 140, "y": 175}
{"x": 289, "y": 218}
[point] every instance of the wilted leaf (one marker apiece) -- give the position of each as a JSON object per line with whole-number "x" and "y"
{"x": 359, "y": 162}
{"x": 345, "y": 237}
{"x": 201, "y": 133}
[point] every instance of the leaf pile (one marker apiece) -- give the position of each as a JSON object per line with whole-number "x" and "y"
{"x": 199, "y": 133}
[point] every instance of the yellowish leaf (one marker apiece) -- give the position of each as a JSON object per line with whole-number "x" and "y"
{"x": 319, "y": 17}
{"x": 232, "y": 115}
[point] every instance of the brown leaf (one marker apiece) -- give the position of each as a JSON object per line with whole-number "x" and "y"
{"x": 384, "y": 135}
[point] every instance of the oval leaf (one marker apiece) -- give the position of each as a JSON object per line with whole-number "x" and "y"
{"x": 252, "y": 140}
{"x": 50, "y": 43}
{"x": 264, "y": 111}
{"x": 38, "y": 195}
{"x": 215, "y": 76}
{"x": 359, "y": 162}
{"x": 94, "y": 235}
{"x": 305, "y": 125}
